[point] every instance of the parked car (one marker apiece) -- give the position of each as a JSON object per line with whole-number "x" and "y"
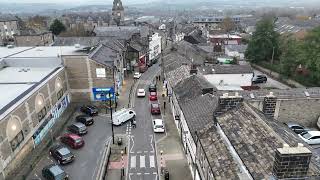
{"x": 153, "y": 96}
{"x": 155, "y": 109}
{"x": 78, "y": 128}
{"x": 85, "y": 119}
{"x": 259, "y": 79}
{"x": 72, "y": 140}
{"x": 137, "y": 75}
{"x": 141, "y": 93}
{"x": 54, "y": 172}
{"x": 89, "y": 110}
{"x": 310, "y": 137}
{"x": 120, "y": 117}
{"x": 61, "y": 154}
{"x": 297, "y": 128}
{"x": 152, "y": 88}
{"x": 158, "y": 125}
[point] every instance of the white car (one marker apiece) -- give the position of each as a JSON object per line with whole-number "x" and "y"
{"x": 310, "y": 137}
{"x": 158, "y": 125}
{"x": 136, "y": 75}
{"x": 123, "y": 115}
{"x": 141, "y": 93}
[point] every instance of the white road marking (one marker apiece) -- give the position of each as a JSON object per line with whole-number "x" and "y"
{"x": 142, "y": 162}
{"x": 133, "y": 162}
{"x": 145, "y": 151}
{"x": 155, "y": 173}
{"x": 132, "y": 145}
{"x": 152, "y": 144}
{"x": 138, "y": 174}
{"x": 146, "y": 173}
{"x": 152, "y": 162}
{"x": 139, "y": 152}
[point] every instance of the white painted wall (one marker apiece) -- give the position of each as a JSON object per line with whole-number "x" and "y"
{"x": 234, "y": 53}
{"x": 154, "y": 46}
{"x": 230, "y": 79}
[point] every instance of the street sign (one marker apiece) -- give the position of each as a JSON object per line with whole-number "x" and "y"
{"x": 103, "y": 94}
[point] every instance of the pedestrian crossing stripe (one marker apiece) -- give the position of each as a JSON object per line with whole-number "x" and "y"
{"x": 142, "y": 161}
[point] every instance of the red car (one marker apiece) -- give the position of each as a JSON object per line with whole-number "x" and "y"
{"x": 153, "y": 96}
{"x": 72, "y": 140}
{"x": 155, "y": 109}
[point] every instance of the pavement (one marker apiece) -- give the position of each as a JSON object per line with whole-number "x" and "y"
{"x": 173, "y": 158}
{"x": 271, "y": 83}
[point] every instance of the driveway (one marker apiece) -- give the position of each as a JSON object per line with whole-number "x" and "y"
{"x": 86, "y": 164}
{"x": 271, "y": 83}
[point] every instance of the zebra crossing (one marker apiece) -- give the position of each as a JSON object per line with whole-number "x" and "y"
{"x": 142, "y": 161}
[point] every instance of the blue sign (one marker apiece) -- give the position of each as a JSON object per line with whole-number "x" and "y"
{"x": 103, "y": 94}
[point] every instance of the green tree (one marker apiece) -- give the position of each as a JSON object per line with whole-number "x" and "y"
{"x": 291, "y": 55}
{"x": 264, "y": 43}
{"x": 57, "y": 27}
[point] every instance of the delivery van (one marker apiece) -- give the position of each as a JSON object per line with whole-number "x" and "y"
{"x": 122, "y": 116}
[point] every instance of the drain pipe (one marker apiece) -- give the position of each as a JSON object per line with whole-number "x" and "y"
{"x": 234, "y": 154}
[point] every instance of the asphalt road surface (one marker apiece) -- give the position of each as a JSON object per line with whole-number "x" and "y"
{"x": 87, "y": 160}
{"x": 271, "y": 83}
{"x": 142, "y": 158}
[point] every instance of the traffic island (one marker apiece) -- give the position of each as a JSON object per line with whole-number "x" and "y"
{"x": 118, "y": 157}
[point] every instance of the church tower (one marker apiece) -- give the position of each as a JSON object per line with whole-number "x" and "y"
{"x": 117, "y": 13}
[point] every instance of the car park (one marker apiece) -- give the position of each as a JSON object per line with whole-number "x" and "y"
{"x": 85, "y": 119}
{"x": 72, "y": 140}
{"x": 155, "y": 109}
{"x": 158, "y": 126}
{"x": 153, "y": 96}
{"x": 89, "y": 110}
{"x": 310, "y": 137}
{"x": 137, "y": 75}
{"x": 54, "y": 172}
{"x": 61, "y": 154}
{"x": 141, "y": 93}
{"x": 122, "y": 116}
{"x": 259, "y": 79}
{"x": 78, "y": 128}
{"x": 152, "y": 88}
{"x": 297, "y": 128}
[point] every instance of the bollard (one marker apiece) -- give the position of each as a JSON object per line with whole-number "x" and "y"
{"x": 161, "y": 163}
{"x": 122, "y": 164}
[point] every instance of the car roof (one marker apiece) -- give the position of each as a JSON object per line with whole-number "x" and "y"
{"x": 72, "y": 136}
{"x": 78, "y": 124}
{"x": 153, "y": 92}
{"x": 314, "y": 133}
{"x": 140, "y": 89}
{"x": 290, "y": 124}
{"x": 83, "y": 115}
{"x": 55, "y": 169}
{"x": 156, "y": 105}
{"x": 64, "y": 151}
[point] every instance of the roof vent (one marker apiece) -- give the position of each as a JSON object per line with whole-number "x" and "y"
{"x": 77, "y": 45}
{"x": 307, "y": 93}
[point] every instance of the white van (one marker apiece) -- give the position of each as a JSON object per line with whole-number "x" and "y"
{"x": 122, "y": 116}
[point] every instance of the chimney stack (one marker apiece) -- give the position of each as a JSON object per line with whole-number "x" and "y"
{"x": 291, "y": 162}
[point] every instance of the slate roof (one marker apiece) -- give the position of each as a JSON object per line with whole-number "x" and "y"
{"x": 83, "y": 41}
{"x": 191, "y": 88}
{"x": 104, "y": 55}
{"x": 177, "y": 75}
{"x": 225, "y": 69}
{"x": 198, "y": 111}
{"x": 241, "y": 48}
{"x": 191, "y": 50}
{"x": 174, "y": 60}
{"x": 255, "y": 139}
{"x": 220, "y": 160}
{"x": 7, "y": 17}
{"x": 121, "y": 32}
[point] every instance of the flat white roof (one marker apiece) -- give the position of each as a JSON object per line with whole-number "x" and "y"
{"x": 228, "y": 88}
{"x": 4, "y": 51}
{"x": 48, "y": 51}
{"x": 225, "y": 36}
{"x": 11, "y": 91}
{"x": 23, "y": 74}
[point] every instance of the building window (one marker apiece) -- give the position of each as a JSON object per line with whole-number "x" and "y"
{"x": 42, "y": 113}
{"x": 59, "y": 88}
{"x": 60, "y": 94}
{"x": 40, "y": 107}
{"x": 16, "y": 141}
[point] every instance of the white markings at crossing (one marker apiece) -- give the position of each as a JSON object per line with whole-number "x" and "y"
{"x": 142, "y": 162}
{"x": 133, "y": 162}
{"x": 151, "y": 160}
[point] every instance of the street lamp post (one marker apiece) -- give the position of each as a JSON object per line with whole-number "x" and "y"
{"x": 111, "y": 117}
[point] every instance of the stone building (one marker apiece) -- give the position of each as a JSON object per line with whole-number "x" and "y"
{"x": 33, "y": 39}
{"x": 117, "y": 16}
{"x": 8, "y": 27}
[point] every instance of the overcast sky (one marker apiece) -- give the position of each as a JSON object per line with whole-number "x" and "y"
{"x": 74, "y": 1}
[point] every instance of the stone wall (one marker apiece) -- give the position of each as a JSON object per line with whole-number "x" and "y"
{"x": 44, "y": 39}
{"x": 227, "y": 102}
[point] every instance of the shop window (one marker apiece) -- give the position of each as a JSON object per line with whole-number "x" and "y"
{"x": 42, "y": 113}
{"x": 15, "y": 142}
{"x": 60, "y": 94}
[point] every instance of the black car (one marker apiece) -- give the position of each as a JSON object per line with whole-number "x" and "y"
{"x": 62, "y": 154}
{"x": 152, "y": 88}
{"x": 259, "y": 79}
{"x": 78, "y": 128}
{"x": 54, "y": 172}
{"x": 297, "y": 128}
{"x": 85, "y": 119}
{"x": 89, "y": 110}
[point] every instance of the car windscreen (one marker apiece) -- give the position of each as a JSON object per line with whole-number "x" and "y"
{"x": 64, "y": 151}
{"x": 77, "y": 140}
{"x": 153, "y": 93}
{"x": 158, "y": 126}
{"x": 306, "y": 135}
{"x": 155, "y": 105}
